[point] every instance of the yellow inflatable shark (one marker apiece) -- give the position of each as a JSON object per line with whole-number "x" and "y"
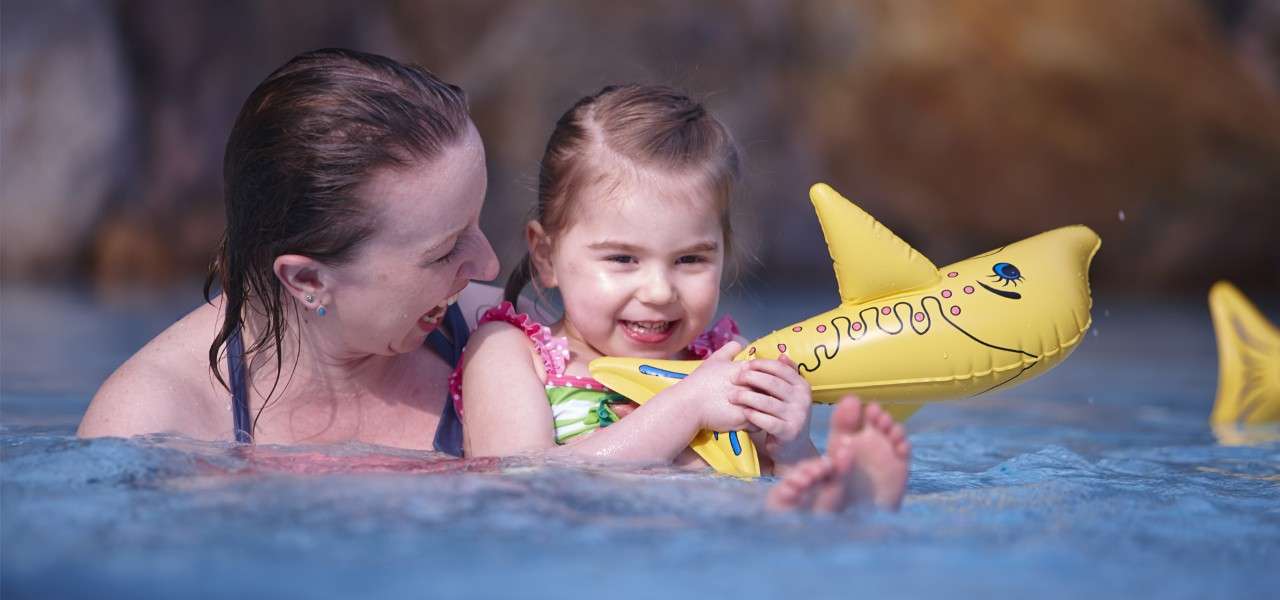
{"x": 907, "y": 332}
{"x": 1248, "y": 368}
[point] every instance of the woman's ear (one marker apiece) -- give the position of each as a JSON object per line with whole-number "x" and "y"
{"x": 304, "y": 278}
{"x": 540, "y": 254}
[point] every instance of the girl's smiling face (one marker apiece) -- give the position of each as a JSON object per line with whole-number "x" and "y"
{"x": 639, "y": 269}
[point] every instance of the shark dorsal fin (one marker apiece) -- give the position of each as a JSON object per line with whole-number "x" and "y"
{"x": 870, "y": 261}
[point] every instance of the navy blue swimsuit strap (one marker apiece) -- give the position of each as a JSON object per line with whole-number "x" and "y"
{"x": 449, "y": 433}
{"x": 239, "y": 388}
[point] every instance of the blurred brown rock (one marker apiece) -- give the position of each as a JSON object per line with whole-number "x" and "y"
{"x": 962, "y": 125}
{"x": 63, "y": 131}
{"x": 973, "y": 123}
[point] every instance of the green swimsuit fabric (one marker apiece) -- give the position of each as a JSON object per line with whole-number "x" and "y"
{"x": 578, "y": 410}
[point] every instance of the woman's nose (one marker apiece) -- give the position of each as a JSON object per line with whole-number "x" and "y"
{"x": 484, "y": 264}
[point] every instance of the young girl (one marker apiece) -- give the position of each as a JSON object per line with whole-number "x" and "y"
{"x": 632, "y": 227}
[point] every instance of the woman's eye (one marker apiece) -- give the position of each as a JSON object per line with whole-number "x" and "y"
{"x": 443, "y": 260}
{"x": 621, "y": 259}
{"x": 450, "y": 255}
{"x": 1006, "y": 273}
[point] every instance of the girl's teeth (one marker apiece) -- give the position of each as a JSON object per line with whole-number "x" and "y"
{"x": 647, "y": 326}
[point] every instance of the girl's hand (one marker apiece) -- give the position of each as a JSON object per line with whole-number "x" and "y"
{"x": 778, "y": 401}
{"x": 711, "y": 388}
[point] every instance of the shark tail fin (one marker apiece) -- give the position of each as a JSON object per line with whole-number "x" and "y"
{"x": 639, "y": 379}
{"x": 1248, "y": 360}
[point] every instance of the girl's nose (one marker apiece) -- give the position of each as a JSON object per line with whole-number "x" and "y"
{"x": 657, "y": 289}
{"x": 483, "y": 265}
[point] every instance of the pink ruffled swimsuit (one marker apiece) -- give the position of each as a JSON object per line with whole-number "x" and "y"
{"x": 578, "y": 404}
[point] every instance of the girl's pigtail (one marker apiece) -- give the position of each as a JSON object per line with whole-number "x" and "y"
{"x": 519, "y": 278}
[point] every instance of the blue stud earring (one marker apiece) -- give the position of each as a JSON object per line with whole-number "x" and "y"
{"x": 320, "y": 309}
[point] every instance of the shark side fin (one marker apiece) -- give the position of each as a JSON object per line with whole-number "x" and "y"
{"x": 870, "y": 261}
{"x": 640, "y": 379}
{"x": 1248, "y": 360}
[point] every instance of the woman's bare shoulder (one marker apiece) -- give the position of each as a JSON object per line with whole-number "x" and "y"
{"x": 166, "y": 387}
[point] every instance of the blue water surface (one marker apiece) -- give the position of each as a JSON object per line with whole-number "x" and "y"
{"x": 1099, "y": 479}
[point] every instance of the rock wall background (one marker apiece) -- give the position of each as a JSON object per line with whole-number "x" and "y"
{"x": 962, "y": 125}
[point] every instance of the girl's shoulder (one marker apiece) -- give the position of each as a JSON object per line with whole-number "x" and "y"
{"x": 505, "y": 329}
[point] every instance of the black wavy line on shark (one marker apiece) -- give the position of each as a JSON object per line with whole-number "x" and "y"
{"x": 854, "y": 335}
{"x": 823, "y": 352}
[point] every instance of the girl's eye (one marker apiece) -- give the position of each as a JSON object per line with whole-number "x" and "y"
{"x": 1006, "y": 273}
{"x": 622, "y": 259}
{"x": 691, "y": 259}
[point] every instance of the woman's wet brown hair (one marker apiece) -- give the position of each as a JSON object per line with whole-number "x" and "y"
{"x": 305, "y": 140}
{"x": 651, "y": 127}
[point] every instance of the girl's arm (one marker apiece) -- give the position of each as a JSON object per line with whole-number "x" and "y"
{"x": 506, "y": 412}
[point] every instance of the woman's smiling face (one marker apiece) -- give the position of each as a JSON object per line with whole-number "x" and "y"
{"x": 639, "y": 270}
{"x": 427, "y": 246}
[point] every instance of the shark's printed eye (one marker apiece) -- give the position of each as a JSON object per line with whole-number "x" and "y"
{"x": 1006, "y": 273}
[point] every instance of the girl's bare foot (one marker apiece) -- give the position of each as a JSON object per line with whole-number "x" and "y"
{"x": 866, "y": 463}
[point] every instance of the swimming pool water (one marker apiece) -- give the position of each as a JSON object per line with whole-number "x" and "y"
{"x": 1100, "y": 478}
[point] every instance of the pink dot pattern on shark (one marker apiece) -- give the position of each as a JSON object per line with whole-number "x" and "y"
{"x": 946, "y": 293}
{"x": 955, "y": 310}
{"x": 968, "y": 289}
{"x": 953, "y": 274}
{"x": 886, "y": 310}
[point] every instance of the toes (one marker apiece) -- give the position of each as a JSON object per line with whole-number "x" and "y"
{"x": 903, "y": 449}
{"x": 897, "y": 433}
{"x": 823, "y": 469}
{"x": 806, "y": 474}
{"x": 783, "y": 497}
{"x": 848, "y": 416}
{"x": 841, "y": 457}
{"x": 878, "y": 418}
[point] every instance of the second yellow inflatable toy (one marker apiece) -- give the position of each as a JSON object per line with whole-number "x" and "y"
{"x": 1248, "y": 369}
{"x": 906, "y": 332}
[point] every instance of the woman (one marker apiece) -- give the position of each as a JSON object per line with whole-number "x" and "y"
{"x": 353, "y": 188}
